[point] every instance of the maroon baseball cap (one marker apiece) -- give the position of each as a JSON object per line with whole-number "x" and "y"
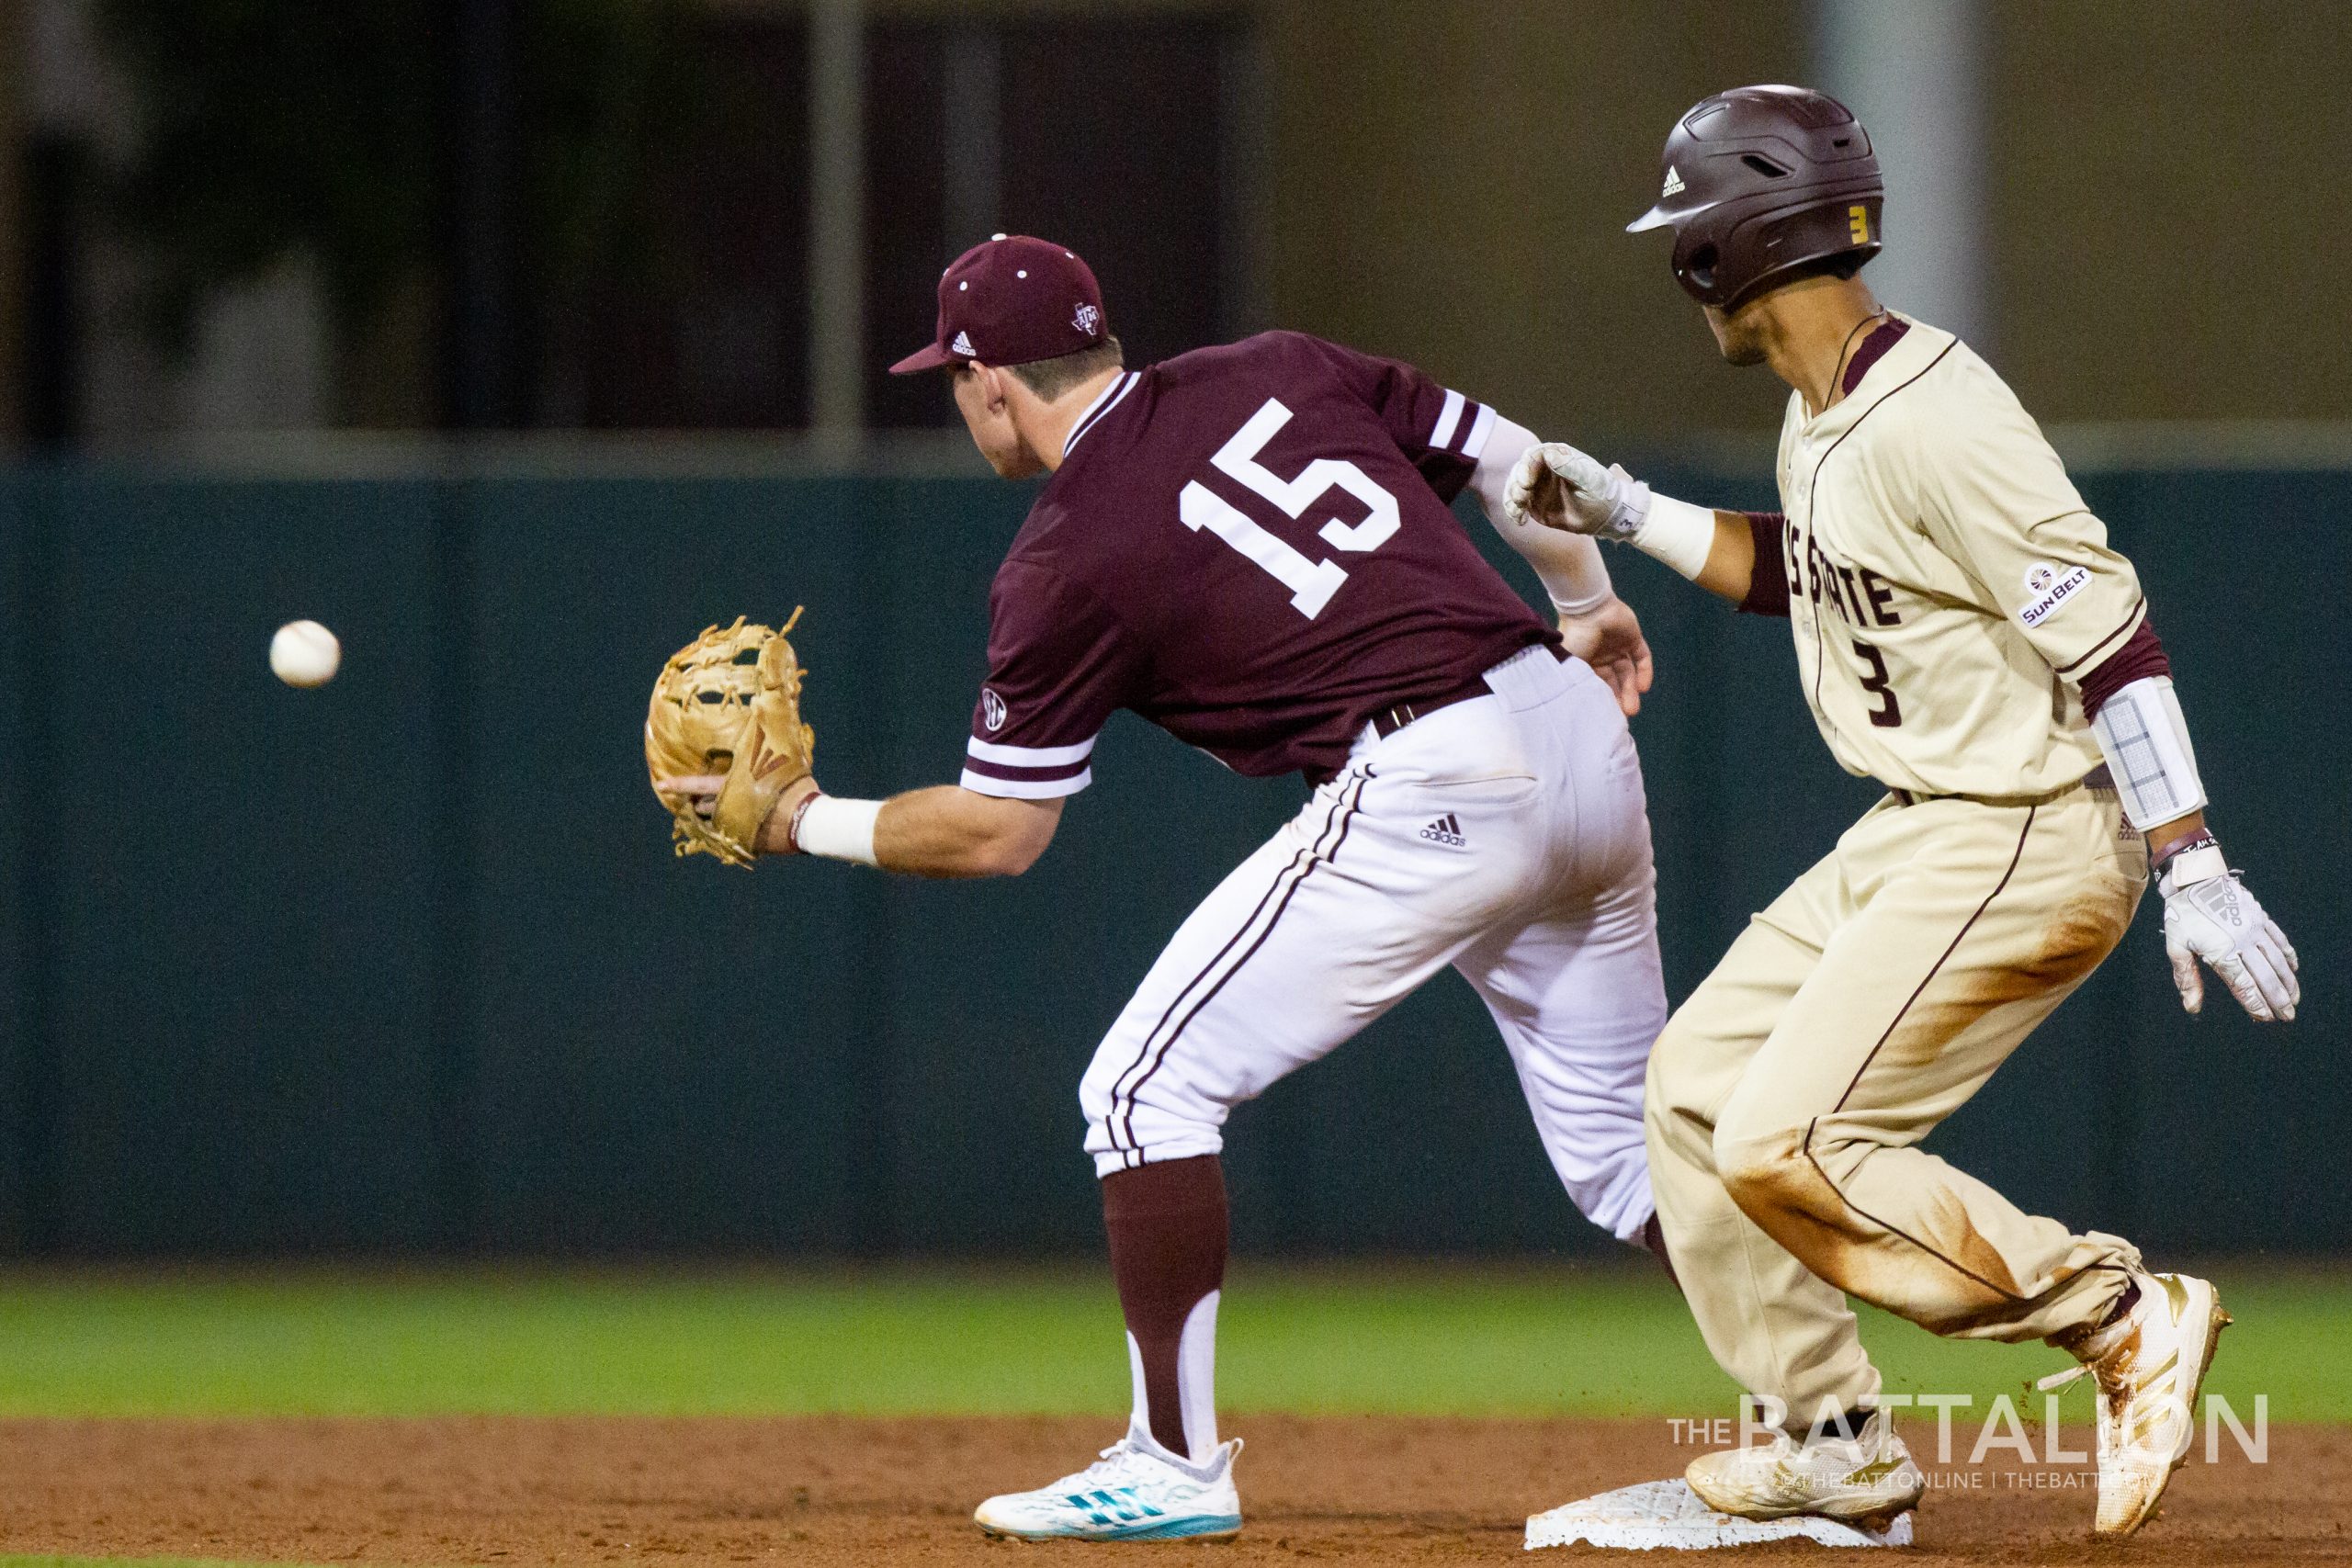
{"x": 1012, "y": 301}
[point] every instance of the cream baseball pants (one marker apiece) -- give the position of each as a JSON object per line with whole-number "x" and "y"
{"x": 1787, "y": 1097}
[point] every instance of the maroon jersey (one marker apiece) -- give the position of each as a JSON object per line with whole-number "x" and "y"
{"x": 1252, "y": 547}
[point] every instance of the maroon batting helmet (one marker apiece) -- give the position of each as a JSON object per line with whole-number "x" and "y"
{"x": 1760, "y": 181}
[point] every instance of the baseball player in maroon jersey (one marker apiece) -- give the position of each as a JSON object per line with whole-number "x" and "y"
{"x": 1251, "y": 546}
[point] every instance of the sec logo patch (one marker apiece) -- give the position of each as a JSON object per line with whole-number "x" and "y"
{"x": 992, "y": 710}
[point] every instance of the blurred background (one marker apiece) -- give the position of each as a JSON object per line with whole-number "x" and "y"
{"x": 232, "y": 216}
{"x": 518, "y": 339}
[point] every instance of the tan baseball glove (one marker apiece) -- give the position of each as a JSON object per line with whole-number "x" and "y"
{"x": 728, "y": 702}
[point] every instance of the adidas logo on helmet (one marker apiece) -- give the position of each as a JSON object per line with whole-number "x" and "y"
{"x": 1673, "y": 184}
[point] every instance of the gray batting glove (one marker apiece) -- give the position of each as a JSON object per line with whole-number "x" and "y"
{"x": 2216, "y": 920}
{"x": 1558, "y": 486}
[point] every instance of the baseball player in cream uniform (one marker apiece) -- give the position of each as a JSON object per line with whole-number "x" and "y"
{"x": 1965, "y": 635}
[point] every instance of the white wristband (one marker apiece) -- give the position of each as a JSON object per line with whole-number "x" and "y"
{"x": 1677, "y": 533}
{"x": 838, "y": 830}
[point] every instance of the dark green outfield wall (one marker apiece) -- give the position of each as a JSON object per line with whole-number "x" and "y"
{"x": 406, "y": 963}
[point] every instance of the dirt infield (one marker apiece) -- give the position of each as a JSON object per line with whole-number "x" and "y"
{"x": 825, "y": 1491}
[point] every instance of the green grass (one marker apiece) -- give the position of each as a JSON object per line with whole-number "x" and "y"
{"x": 1418, "y": 1338}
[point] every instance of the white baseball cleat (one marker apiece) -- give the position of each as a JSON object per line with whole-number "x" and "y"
{"x": 1137, "y": 1490}
{"x": 1866, "y": 1480}
{"x": 2149, "y": 1367}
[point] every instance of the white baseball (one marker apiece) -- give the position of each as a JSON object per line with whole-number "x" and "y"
{"x": 304, "y": 653}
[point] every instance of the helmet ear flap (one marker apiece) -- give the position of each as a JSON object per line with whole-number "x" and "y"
{"x": 1699, "y": 269}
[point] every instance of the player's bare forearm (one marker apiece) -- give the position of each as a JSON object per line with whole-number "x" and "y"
{"x": 950, "y": 831}
{"x": 946, "y": 831}
{"x": 1731, "y": 560}
{"x": 2166, "y": 834}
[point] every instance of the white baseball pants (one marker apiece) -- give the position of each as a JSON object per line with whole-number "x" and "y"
{"x": 1507, "y": 836}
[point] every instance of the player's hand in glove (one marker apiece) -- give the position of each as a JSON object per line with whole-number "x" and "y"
{"x": 724, "y": 745}
{"x": 1560, "y": 487}
{"x": 701, "y": 791}
{"x": 2214, "y": 919}
{"x": 1609, "y": 638}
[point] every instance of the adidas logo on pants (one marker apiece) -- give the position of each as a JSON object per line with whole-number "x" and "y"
{"x": 1505, "y": 838}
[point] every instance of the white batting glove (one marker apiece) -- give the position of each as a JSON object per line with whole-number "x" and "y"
{"x": 2216, "y": 920}
{"x": 1558, "y": 486}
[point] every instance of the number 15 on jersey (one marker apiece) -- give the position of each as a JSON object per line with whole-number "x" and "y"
{"x": 1311, "y": 582}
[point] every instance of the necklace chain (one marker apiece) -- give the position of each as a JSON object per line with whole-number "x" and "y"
{"x": 1837, "y": 377}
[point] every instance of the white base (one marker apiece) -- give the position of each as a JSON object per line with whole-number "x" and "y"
{"x": 1668, "y": 1515}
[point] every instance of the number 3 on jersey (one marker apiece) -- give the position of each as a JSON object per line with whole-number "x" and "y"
{"x": 1311, "y": 582}
{"x": 1888, "y": 714}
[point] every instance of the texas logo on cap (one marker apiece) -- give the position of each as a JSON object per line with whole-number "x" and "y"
{"x": 1012, "y": 301}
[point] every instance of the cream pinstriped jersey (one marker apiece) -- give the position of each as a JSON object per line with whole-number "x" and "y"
{"x": 1947, "y": 587}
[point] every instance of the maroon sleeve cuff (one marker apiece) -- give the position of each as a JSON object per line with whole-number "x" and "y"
{"x": 2140, "y": 658}
{"x": 1767, "y": 583}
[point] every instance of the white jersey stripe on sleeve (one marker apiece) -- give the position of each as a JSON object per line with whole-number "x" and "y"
{"x": 1447, "y": 418}
{"x": 1029, "y": 756}
{"x": 1484, "y": 425}
{"x": 1027, "y": 789}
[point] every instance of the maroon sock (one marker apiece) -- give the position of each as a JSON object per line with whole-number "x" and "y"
{"x": 1168, "y": 1238}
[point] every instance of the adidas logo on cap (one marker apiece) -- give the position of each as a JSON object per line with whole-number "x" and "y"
{"x": 1446, "y": 830}
{"x": 1673, "y": 184}
{"x": 963, "y": 345}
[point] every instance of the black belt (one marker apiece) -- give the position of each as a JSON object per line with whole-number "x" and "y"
{"x": 2097, "y": 778}
{"x": 1389, "y": 720}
